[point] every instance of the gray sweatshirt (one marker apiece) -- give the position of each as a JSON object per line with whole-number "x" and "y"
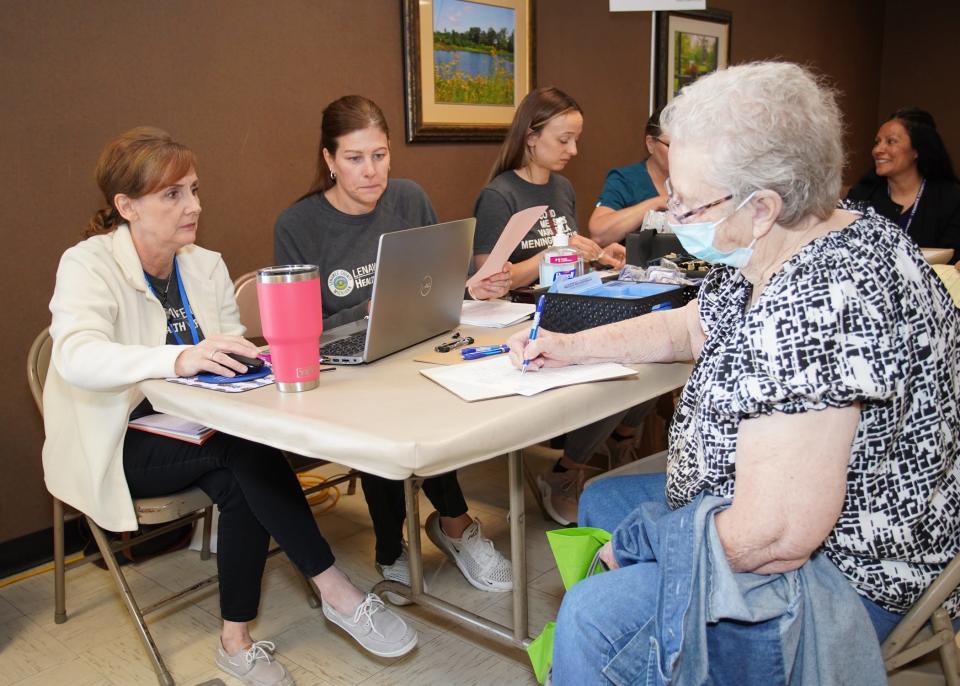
{"x": 508, "y": 194}
{"x": 344, "y": 246}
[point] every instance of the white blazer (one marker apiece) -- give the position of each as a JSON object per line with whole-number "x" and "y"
{"x": 109, "y": 333}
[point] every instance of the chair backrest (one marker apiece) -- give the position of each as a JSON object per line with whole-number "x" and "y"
{"x": 245, "y": 287}
{"x": 902, "y": 636}
{"x": 950, "y": 276}
{"x": 38, "y": 362}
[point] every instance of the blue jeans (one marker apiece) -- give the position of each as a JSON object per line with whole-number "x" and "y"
{"x": 600, "y": 615}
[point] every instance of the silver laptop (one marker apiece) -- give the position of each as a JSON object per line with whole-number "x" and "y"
{"x": 417, "y": 293}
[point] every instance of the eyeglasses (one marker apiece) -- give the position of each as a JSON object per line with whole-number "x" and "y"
{"x": 662, "y": 142}
{"x": 673, "y": 207}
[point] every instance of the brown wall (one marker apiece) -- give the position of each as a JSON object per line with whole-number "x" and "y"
{"x": 919, "y": 65}
{"x": 244, "y": 82}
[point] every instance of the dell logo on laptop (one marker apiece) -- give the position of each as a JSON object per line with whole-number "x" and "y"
{"x": 426, "y": 284}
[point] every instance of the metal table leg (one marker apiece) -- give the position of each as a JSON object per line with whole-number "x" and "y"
{"x": 518, "y": 635}
{"x": 518, "y": 547}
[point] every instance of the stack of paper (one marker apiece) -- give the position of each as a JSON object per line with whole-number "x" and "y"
{"x": 495, "y": 314}
{"x": 498, "y": 377}
{"x": 173, "y": 427}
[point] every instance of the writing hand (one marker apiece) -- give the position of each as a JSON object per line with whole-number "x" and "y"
{"x": 548, "y": 350}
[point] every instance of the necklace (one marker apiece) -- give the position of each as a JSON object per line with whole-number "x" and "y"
{"x": 162, "y": 294}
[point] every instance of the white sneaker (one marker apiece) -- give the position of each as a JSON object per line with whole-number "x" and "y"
{"x": 482, "y": 564}
{"x": 398, "y": 571}
{"x": 375, "y": 628}
{"x": 560, "y": 495}
{"x": 254, "y": 666}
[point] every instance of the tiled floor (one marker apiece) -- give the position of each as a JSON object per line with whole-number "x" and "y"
{"x": 98, "y": 647}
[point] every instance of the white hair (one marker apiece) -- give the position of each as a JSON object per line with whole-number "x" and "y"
{"x": 765, "y": 125}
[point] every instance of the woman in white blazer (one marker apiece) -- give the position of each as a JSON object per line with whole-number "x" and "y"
{"x": 139, "y": 300}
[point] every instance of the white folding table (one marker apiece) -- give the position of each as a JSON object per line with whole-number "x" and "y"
{"x": 388, "y": 419}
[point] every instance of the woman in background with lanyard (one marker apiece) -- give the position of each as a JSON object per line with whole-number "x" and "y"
{"x": 913, "y": 181}
{"x": 108, "y": 336}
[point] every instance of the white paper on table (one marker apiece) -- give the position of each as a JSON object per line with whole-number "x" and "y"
{"x": 516, "y": 228}
{"x": 498, "y": 377}
{"x": 494, "y": 314}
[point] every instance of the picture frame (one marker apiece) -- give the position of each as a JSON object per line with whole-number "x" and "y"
{"x": 689, "y": 45}
{"x": 467, "y": 66}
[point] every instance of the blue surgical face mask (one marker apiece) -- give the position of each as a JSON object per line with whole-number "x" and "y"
{"x": 697, "y": 239}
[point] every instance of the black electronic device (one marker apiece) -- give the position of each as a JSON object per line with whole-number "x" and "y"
{"x": 253, "y": 363}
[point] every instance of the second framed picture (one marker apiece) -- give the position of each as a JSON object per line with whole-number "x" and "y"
{"x": 468, "y": 63}
{"x": 689, "y": 45}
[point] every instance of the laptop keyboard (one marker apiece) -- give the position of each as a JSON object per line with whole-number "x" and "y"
{"x": 351, "y": 346}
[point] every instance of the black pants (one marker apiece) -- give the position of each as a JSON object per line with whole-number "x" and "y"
{"x": 388, "y": 508}
{"x": 258, "y": 496}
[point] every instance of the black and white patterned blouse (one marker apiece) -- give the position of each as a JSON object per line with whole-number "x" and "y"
{"x": 855, "y": 316}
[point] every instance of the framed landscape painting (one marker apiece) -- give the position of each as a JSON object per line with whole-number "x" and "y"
{"x": 689, "y": 45}
{"x": 468, "y": 63}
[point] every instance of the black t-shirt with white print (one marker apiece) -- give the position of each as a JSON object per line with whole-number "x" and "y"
{"x": 168, "y": 293}
{"x": 344, "y": 246}
{"x": 508, "y": 194}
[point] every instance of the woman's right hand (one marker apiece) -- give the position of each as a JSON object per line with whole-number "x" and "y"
{"x": 548, "y": 350}
{"x": 209, "y": 355}
{"x": 608, "y": 557}
{"x": 588, "y": 249}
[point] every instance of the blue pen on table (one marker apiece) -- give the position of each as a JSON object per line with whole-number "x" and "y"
{"x": 533, "y": 331}
{"x": 483, "y": 353}
{"x": 501, "y": 348}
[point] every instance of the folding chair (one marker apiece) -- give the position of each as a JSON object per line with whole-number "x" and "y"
{"x": 927, "y": 627}
{"x": 171, "y": 511}
{"x": 245, "y": 291}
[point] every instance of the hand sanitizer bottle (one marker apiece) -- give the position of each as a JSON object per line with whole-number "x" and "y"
{"x": 559, "y": 262}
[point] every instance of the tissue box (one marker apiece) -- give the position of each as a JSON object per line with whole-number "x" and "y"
{"x": 611, "y": 302}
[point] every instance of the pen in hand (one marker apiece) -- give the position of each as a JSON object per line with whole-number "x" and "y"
{"x": 533, "y": 332}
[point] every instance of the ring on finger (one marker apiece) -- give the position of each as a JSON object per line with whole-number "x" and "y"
{"x": 212, "y": 353}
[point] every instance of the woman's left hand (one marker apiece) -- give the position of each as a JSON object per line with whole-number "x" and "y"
{"x": 494, "y": 286}
{"x": 606, "y": 554}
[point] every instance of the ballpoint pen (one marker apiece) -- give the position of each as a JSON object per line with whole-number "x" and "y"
{"x": 502, "y": 348}
{"x": 533, "y": 331}
{"x": 483, "y": 353}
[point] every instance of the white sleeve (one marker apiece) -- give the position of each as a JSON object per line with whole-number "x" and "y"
{"x": 84, "y": 312}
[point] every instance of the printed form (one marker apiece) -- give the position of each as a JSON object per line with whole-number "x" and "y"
{"x": 497, "y": 377}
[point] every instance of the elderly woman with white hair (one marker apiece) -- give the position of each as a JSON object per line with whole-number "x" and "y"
{"x": 821, "y": 411}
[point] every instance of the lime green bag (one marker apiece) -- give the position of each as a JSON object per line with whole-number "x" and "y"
{"x": 577, "y": 552}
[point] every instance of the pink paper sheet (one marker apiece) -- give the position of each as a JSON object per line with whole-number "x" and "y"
{"x": 516, "y": 228}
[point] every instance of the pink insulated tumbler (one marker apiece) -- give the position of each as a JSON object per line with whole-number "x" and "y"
{"x": 292, "y": 320}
